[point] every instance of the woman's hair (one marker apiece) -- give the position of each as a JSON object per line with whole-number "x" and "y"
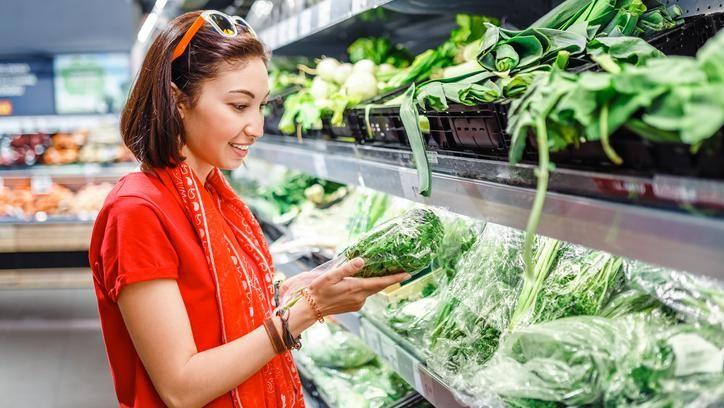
{"x": 151, "y": 125}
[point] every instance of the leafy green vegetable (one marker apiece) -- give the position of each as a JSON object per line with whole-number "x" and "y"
{"x": 695, "y": 299}
{"x": 356, "y": 385}
{"x": 380, "y": 51}
{"x": 583, "y": 360}
{"x": 475, "y": 308}
{"x": 579, "y": 283}
{"x": 290, "y": 192}
{"x": 403, "y": 244}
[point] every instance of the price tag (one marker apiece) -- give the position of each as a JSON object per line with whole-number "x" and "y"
{"x": 305, "y": 22}
{"x": 409, "y": 184}
{"x": 40, "y": 184}
{"x": 371, "y": 336}
{"x": 324, "y": 13}
{"x": 320, "y": 166}
{"x": 389, "y": 352}
{"x": 359, "y": 6}
{"x": 424, "y": 384}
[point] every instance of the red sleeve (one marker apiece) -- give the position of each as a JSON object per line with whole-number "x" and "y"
{"x": 136, "y": 247}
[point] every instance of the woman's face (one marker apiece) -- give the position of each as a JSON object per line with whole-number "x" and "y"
{"x": 227, "y": 117}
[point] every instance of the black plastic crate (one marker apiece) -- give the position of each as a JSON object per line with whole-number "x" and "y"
{"x": 349, "y": 131}
{"x": 687, "y": 38}
{"x": 641, "y": 156}
{"x": 472, "y": 129}
{"x": 385, "y": 127}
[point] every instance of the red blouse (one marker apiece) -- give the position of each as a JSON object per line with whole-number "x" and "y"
{"x": 142, "y": 233}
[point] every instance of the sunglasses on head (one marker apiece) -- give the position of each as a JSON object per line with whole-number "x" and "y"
{"x": 224, "y": 24}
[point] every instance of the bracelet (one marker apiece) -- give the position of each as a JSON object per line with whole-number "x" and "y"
{"x": 313, "y": 305}
{"x": 289, "y": 341}
{"x": 277, "y": 284}
{"x": 273, "y": 334}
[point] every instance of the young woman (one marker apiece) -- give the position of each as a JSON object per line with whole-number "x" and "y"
{"x": 181, "y": 270}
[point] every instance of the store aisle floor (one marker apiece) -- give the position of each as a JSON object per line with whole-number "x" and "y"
{"x": 51, "y": 350}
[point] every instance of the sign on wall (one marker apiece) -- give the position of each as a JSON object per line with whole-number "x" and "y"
{"x": 26, "y": 86}
{"x": 91, "y": 83}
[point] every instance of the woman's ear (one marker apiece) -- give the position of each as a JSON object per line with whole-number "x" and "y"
{"x": 180, "y": 100}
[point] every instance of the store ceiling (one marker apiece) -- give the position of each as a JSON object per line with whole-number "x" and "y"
{"x": 32, "y": 27}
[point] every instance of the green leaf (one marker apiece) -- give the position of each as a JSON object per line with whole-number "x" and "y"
{"x": 410, "y": 120}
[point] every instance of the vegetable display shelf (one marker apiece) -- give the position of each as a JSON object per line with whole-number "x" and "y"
{"x": 670, "y": 221}
{"x": 402, "y": 359}
{"x": 325, "y": 27}
{"x": 83, "y": 170}
{"x": 63, "y": 235}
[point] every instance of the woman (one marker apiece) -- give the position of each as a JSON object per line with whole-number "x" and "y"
{"x": 181, "y": 270}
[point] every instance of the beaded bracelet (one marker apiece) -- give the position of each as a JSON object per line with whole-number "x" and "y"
{"x": 313, "y": 305}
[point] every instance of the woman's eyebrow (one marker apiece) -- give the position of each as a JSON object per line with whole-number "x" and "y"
{"x": 243, "y": 91}
{"x": 249, "y": 93}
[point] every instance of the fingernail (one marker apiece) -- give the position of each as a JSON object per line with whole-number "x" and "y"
{"x": 358, "y": 262}
{"x": 407, "y": 276}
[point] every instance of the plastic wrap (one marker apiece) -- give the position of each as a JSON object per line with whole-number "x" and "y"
{"x": 570, "y": 280}
{"x": 403, "y": 244}
{"x": 693, "y": 298}
{"x": 476, "y": 306}
{"x": 345, "y": 371}
{"x": 642, "y": 358}
{"x": 331, "y": 347}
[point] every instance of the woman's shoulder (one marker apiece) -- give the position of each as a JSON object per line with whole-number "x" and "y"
{"x": 138, "y": 189}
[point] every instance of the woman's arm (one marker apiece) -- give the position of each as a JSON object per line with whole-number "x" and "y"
{"x": 156, "y": 319}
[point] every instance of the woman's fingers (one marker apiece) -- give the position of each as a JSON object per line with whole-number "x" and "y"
{"x": 346, "y": 270}
{"x": 374, "y": 285}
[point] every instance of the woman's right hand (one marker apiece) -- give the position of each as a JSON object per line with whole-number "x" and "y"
{"x": 338, "y": 291}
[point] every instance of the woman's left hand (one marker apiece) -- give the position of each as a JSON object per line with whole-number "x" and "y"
{"x": 301, "y": 280}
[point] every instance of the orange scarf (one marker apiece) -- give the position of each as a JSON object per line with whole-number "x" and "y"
{"x": 244, "y": 290}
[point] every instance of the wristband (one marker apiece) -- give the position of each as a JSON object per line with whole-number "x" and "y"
{"x": 289, "y": 341}
{"x": 276, "y": 340}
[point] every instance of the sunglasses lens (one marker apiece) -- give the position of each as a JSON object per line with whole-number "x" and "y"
{"x": 244, "y": 25}
{"x": 224, "y": 24}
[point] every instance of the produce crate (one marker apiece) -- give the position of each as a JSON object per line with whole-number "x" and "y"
{"x": 349, "y": 131}
{"x": 473, "y": 129}
{"x": 641, "y": 156}
{"x": 687, "y": 38}
{"x": 385, "y": 127}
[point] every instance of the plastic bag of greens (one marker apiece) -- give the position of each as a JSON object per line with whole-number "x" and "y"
{"x": 403, "y": 244}
{"x": 475, "y": 308}
{"x": 588, "y": 360}
{"x": 694, "y": 298}
{"x": 569, "y": 280}
{"x": 331, "y": 347}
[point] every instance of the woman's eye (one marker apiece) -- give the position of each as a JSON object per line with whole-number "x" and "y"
{"x": 240, "y": 107}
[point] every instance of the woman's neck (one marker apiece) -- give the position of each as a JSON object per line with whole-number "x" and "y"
{"x": 201, "y": 168}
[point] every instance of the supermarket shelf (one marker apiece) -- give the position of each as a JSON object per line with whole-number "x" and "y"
{"x": 114, "y": 170}
{"x": 329, "y": 26}
{"x": 54, "y": 123}
{"x": 405, "y": 364}
{"x": 45, "y": 237}
{"x": 675, "y": 239}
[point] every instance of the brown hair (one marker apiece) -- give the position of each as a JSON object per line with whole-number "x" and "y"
{"x": 151, "y": 125}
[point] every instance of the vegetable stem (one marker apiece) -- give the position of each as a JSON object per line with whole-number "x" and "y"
{"x": 612, "y": 155}
{"x": 540, "y": 195}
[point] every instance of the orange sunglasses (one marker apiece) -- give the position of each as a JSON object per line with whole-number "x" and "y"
{"x": 224, "y": 24}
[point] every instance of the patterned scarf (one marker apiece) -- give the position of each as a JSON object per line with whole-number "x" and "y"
{"x": 244, "y": 289}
